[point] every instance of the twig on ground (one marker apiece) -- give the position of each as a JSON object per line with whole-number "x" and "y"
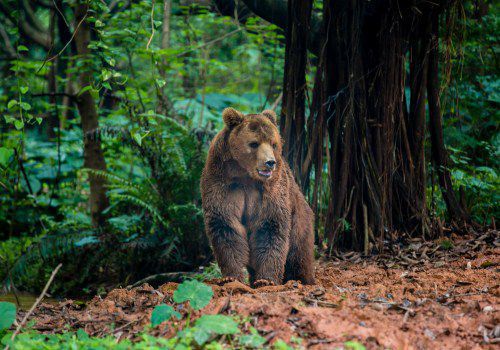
{"x": 38, "y": 300}
{"x": 162, "y": 278}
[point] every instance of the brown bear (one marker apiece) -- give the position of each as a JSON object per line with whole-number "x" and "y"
{"x": 255, "y": 214}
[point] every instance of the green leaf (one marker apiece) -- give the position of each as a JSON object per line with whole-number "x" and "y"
{"x": 24, "y": 89}
{"x": 137, "y": 137}
{"x": 198, "y": 294}
{"x": 85, "y": 88}
{"x": 201, "y": 335}
{"x": 11, "y": 104}
{"x": 7, "y": 315}
{"x": 19, "y": 124}
{"x": 22, "y": 48}
{"x": 39, "y": 120}
{"x": 161, "y": 82}
{"x": 81, "y": 334}
{"x": 5, "y": 154}
{"x": 106, "y": 74}
{"x": 162, "y": 313}
{"x": 281, "y": 345}
{"x": 354, "y": 345}
{"x": 218, "y": 324}
{"x": 24, "y": 105}
{"x": 252, "y": 341}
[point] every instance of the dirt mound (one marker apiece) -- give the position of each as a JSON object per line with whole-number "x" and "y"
{"x": 447, "y": 297}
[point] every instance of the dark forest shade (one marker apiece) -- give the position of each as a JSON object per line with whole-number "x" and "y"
{"x": 360, "y": 119}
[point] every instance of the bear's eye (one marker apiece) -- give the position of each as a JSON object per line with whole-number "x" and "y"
{"x": 275, "y": 146}
{"x": 254, "y": 144}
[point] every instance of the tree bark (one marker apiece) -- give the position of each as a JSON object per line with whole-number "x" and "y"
{"x": 292, "y": 122}
{"x": 53, "y": 118}
{"x": 277, "y": 13}
{"x": 92, "y": 151}
{"x": 438, "y": 150}
{"x": 165, "y": 32}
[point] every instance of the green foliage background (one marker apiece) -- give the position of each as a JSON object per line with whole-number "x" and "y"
{"x": 158, "y": 109}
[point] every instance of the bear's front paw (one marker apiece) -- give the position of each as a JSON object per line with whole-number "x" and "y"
{"x": 224, "y": 280}
{"x": 263, "y": 283}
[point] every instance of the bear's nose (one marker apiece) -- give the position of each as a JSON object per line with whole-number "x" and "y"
{"x": 271, "y": 163}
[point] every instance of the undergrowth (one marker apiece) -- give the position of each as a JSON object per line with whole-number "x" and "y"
{"x": 206, "y": 332}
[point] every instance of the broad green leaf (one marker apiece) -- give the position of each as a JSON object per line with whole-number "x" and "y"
{"x": 22, "y": 48}
{"x": 11, "y": 104}
{"x": 19, "y": 124}
{"x": 24, "y": 89}
{"x": 25, "y": 105}
{"x": 5, "y": 154}
{"x": 7, "y": 315}
{"x": 218, "y": 324}
{"x": 201, "y": 335}
{"x": 162, "y": 313}
{"x": 198, "y": 294}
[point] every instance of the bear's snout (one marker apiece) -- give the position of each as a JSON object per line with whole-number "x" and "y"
{"x": 270, "y": 164}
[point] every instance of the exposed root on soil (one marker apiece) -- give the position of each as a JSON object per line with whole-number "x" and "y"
{"x": 427, "y": 295}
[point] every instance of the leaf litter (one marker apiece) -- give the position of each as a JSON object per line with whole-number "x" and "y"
{"x": 423, "y": 295}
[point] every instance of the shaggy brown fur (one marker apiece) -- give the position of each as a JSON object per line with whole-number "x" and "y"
{"x": 255, "y": 215}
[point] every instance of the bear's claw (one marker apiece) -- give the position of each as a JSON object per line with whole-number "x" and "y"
{"x": 224, "y": 280}
{"x": 263, "y": 283}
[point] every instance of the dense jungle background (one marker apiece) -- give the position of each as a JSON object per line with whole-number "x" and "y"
{"x": 389, "y": 111}
{"x": 108, "y": 108}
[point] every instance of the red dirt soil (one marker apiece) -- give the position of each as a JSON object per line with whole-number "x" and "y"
{"x": 422, "y": 297}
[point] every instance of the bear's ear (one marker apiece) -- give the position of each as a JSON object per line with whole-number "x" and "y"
{"x": 232, "y": 117}
{"x": 271, "y": 115}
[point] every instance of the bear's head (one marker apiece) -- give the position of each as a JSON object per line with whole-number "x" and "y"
{"x": 254, "y": 142}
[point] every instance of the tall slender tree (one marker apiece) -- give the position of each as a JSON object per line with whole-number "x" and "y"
{"x": 92, "y": 152}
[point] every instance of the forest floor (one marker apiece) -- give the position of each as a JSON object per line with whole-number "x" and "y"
{"x": 426, "y": 295}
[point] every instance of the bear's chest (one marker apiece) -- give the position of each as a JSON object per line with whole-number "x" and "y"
{"x": 249, "y": 202}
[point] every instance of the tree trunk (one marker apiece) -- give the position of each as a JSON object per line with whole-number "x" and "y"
{"x": 92, "y": 151}
{"x": 374, "y": 145}
{"x": 438, "y": 150}
{"x": 292, "y": 123}
{"x": 165, "y": 32}
{"x": 53, "y": 118}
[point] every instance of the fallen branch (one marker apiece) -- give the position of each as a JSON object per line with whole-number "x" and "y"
{"x": 162, "y": 278}
{"x": 38, "y": 300}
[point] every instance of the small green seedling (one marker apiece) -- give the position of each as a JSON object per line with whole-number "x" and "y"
{"x": 198, "y": 294}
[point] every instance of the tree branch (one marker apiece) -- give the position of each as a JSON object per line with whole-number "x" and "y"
{"x": 32, "y": 18}
{"x": 28, "y": 31}
{"x": 8, "y": 45}
{"x": 276, "y": 12}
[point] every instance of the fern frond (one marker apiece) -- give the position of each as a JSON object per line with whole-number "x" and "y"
{"x": 140, "y": 203}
